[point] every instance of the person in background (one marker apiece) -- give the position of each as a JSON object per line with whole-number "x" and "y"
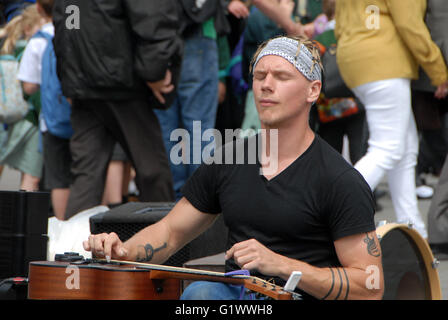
{"x": 431, "y": 112}
{"x": 433, "y": 104}
{"x": 21, "y": 150}
{"x": 13, "y": 8}
{"x": 37, "y": 77}
{"x": 115, "y": 77}
{"x": 195, "y": 105}
{"x": 379, "y": 51}
{"x": 340, "y": 117}
{"x": 231, "y": 92}
{"x": 118, "y": 178}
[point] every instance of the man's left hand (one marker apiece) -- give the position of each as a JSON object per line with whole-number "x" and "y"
{"x": 252, "y": 255}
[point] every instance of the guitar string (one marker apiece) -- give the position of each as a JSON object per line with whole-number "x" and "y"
{"x": 194, "y": 271}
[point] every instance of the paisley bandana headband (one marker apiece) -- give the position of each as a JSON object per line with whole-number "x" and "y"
{"x": 296, "y": 53}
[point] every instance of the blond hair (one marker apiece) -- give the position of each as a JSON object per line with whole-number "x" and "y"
{"x": 16, "y": 29}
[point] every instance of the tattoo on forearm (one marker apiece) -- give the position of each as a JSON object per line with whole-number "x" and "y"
{"x": 341, "y": 281}
{"x": 148, "y": 252}
{"x": 348, "y": 284}
{"x": 342, "y": 284}
{"x": 372, "y": 247}
{"x": 332, "y": 285}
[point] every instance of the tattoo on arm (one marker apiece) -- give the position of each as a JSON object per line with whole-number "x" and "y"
{"x": 341, "y": 280}
{"x": 372, "y": 247}
{"x": 348, "y": 285}
{"x": 148, "y": 252}
{"x": 332, "y": 285}
{"x": 342, "y": 284}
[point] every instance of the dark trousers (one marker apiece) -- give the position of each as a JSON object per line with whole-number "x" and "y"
{"x": 355, "y": 127}
{"x": 430, "y": 116}
{"x": 438, "y": 210}
{"x": 97, "y": 126}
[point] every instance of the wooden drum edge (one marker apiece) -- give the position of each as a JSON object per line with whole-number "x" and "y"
{"x": 425, "y": 251}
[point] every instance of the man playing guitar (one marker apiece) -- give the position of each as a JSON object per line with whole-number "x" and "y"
{"x": 313, "y": 213}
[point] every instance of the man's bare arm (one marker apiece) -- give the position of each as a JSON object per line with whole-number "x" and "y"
{"x": 157, "y": 242}
{"x": 280, "y": 11}
{"x": 361, "y": 274}
{"x": 359, "y": 255}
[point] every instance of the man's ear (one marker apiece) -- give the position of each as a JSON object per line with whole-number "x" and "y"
{"x": 314, "y": 91}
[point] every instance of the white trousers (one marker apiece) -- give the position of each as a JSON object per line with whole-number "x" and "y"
{"x": 392, "y": 146}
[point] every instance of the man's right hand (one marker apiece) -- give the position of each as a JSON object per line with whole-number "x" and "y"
{"x": 161, "y": 87}
{"x": 107, "y": 246}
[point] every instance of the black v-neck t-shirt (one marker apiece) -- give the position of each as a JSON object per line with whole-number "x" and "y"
{"x": 317, "y": 199}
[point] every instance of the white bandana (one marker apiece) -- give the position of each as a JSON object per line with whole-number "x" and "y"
{"x": 287, "y": 48}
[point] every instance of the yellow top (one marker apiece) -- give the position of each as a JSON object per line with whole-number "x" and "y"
{"x": 390, "y": 44}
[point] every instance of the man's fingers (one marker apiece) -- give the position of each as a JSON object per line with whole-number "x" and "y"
{"x": 167, "y": 89}
{"x": 245, "y": 255}
{"x": 237, "y": 247}
{"x": 86, "y": 245}
{"x": 162, "y": 86}
{"x": 251, "y": 265}
{"x": 97, "y": 244}
{"x": 110, "y": 241}
{"x": 159, "y": 96}
{"x": 244, "y": 260}
{"x": 229, "y": 253}
{"x": 105, "y": 245}
{"x": 168, "y": 78}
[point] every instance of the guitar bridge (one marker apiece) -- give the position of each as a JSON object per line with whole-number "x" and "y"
{"x": 68, "y": 257}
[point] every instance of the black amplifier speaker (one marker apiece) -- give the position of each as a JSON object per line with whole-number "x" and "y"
{"x": 23, "y": 231}
{"x": 129, "y": 218}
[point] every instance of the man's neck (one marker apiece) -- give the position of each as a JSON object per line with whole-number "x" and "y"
{"x": 293, "y": 138}
{"x": 290, "y": 143}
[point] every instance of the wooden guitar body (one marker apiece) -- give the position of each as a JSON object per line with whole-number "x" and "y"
{"x": 122, "y": 280}
{"x": 94, "y": 281}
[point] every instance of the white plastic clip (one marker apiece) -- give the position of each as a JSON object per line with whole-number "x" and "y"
{"x": 293, "y": 281}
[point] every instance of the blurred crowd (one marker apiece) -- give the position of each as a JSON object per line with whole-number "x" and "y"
{"x": 128, "y": 74}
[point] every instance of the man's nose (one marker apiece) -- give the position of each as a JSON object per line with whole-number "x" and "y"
{"x": 268, "y": 83}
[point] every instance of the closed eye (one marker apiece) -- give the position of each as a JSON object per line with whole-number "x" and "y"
{"x": 282, "y": 75}
{"x": 279, "y": 75}
{"x": 259, "y": 75}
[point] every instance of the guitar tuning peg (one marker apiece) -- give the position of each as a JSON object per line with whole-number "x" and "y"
{"x": 259, "y": 295}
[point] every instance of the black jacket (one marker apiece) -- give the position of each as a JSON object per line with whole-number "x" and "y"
{"x": 120, "y": 44}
